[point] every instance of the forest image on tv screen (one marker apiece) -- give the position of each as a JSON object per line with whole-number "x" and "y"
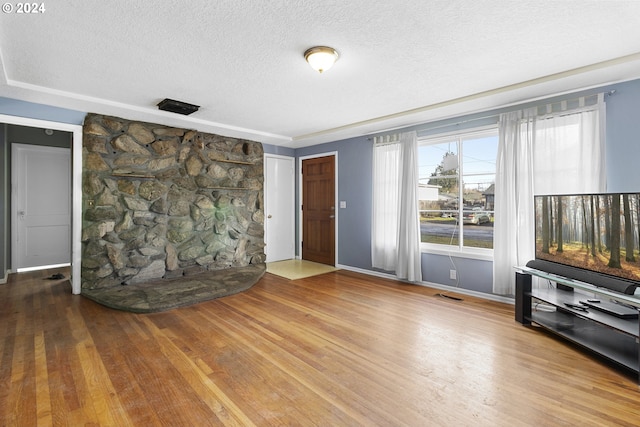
{"x": 597, "y": 232}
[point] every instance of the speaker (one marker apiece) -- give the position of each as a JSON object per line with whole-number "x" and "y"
{"x": 587, "y": 276}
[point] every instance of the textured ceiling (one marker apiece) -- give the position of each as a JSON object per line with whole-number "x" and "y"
{"x": 401, "y": 62}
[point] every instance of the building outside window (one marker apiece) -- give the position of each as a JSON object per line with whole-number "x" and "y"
{"x": 456, "y": 190}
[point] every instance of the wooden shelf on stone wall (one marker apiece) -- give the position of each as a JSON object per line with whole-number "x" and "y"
{"x": 132, "y": 175}
{"x": 228, "y": 188}
{"x": 237, "y": 162}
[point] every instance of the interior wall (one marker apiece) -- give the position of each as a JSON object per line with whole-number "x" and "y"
{"x": 38, "y": 136}
{"x": 355, "y": 171}
{"x": 471, "y": 274}
{"x": 354, "y": 235}
{"x": 31, "y": 110}
{"x": 280, "y": 151}
{"x": 4, "y": 211}
{"x": 623, "y": 138}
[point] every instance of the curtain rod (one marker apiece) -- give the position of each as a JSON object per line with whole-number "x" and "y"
{"x": 609, "y": 93}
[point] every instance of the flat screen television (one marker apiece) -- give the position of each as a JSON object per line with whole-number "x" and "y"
{"x": 593, "y": 238}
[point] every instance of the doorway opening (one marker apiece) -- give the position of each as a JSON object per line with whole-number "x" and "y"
{"x": 76, "y": 202}
{"x": 40, "y": 201}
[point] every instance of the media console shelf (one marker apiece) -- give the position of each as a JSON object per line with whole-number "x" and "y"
{"x": 612, "y": 337}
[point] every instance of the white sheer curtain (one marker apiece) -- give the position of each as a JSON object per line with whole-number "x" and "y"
{"x": 569, "y": 151}
{"x": 395, "y": 235}
{"x": 513, "y": 232}
{"x": 386, "y": 198}
{"x": 558, "y": 152}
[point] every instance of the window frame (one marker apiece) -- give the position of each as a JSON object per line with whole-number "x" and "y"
{"x": 459, "y": 249}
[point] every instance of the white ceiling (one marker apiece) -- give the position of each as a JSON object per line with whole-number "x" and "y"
{"x": 402, "y": 62}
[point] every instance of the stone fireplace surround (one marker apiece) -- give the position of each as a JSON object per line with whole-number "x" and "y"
{"x": 162, "y": 203}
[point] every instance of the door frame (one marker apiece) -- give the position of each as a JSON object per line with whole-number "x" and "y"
{"x": 15, "y": 244}
{"x": 76, "y": 186}
{"x": 333, "y": 154}
{"x": 293, "y": 197}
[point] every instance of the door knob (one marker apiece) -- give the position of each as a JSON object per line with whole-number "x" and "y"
{"x": 268, "y": 216}
{"x": 332, "y": 216}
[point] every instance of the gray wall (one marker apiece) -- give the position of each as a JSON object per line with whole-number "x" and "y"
{"x": 4, "y": 194}
{"x": 355, "y": 171}
{"x": 623, "y": 138}
{"x": 280, "y": 151}
{"x": 14, "y": 107}
{"x": 37, "y": 136}
{"x": 355, "y": 157}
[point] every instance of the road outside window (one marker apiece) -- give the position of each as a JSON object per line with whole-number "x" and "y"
{"x": 456, "y": 189}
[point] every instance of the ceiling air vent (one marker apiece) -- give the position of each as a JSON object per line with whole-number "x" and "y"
{"x": 177, "y": 106}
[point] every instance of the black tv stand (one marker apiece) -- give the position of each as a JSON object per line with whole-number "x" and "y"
{"x": 612, "y": 337}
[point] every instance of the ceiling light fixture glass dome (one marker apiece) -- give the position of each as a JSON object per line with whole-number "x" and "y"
{"x": 321, "y": 58}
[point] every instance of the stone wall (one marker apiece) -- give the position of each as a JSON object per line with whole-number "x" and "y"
{"x": 161, "y": 202}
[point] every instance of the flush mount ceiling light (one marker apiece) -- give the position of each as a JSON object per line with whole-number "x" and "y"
{"x": 321, "y": 58}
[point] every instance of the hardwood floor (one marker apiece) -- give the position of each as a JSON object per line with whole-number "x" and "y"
{"x": 340, "y": 349}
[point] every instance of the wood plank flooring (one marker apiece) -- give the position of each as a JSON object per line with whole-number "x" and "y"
{"x": 340, "y": 349}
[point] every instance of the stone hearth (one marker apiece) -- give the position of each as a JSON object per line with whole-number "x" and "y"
{"x": 162, "y": 203}
{"x": 166, "y": 294}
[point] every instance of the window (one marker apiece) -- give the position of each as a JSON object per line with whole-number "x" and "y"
{"x": 456, "y": 190}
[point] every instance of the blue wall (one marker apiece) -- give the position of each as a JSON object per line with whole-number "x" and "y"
{"x": 623, "y": 138}
{"x": 14, "y": 107}
{"x": 280, "y": 151}
{"x": 355, "y": 160}
{"x": 355, "y": 172}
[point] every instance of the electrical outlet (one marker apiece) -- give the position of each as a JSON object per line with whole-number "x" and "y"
{"x": 452, "y": 274}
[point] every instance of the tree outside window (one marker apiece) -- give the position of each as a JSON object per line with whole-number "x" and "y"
{"x": 456, "y": 189}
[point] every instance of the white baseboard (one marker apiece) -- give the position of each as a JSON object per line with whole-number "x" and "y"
{"x": 369, "y": 272}
{"x": 491, "y": 297}
{"x": 6, "y": 276}
{"x": 42, "y": 267}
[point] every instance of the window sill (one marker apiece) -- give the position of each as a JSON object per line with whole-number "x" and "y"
{"x": 454, "y": 251}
